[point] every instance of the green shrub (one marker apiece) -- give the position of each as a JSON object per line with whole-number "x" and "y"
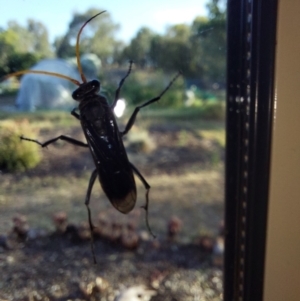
{"x": 214, "y": 110}
{"x": 15, "y": 155}
{"x": 143, "y": 86}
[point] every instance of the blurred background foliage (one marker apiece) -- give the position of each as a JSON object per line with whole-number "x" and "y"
{"x": 196, "y": 49}
{"x": 16, "y": 156}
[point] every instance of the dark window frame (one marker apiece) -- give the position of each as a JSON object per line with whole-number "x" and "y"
{"x": 251, "y": 38}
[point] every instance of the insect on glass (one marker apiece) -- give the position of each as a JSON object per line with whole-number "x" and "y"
{"x": 104, "y": 139}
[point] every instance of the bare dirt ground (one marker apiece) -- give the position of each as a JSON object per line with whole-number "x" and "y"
{"x": 186, "y": 175}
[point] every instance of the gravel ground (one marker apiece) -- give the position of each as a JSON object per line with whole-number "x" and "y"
{"x": 56, "y": 267}
{"x": 59, "y": 266}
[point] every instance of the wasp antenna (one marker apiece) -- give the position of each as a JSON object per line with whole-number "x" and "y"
{"x": 77, "y": 46}
{"x": 74, "y": 81}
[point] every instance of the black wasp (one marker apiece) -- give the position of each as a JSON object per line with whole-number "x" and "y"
{"x": 104, "y": 139}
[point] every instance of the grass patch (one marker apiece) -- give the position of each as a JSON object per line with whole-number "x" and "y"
{"x": 202, "y": 112}
{"x": 42, "y": 119}
{"x": 214, "y": 134}
{"x": 177, "y": 195}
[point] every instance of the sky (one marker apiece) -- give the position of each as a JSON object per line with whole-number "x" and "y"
{"x": 131, "y": 15}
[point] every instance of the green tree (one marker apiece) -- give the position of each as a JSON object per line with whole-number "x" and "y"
{"x": 98, "y": 37}
{"x": 172, "y": 52}
{"x": 216, "y": 10}
{"x": 21, "y": 47}
{"x": 209, "y": 43}
{"x": 21, "y": 61}
{"x": 139, "y": 48}
{"x": 40, "y": 37}
{"x": 32, "y": 38}
{"x": 198, "y": 50}
{"x": 8, "y": 38}
{"x": 117, "y": 55}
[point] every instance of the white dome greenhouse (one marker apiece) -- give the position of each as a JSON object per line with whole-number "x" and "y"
{"x": 39, "y": 91}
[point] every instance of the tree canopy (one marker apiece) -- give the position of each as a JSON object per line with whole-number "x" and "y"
{"x": 23, "y": 46}
{"x": 197, "y": 49}
{"x": 98, "y": 37}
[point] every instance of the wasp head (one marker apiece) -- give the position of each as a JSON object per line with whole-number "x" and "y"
{"x": 85, "y": 89}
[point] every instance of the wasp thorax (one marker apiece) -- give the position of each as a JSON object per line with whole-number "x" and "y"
{"x": 86, "y": 89}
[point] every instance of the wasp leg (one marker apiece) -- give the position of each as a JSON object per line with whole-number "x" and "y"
{"x": 120, "y": 85}
{"x": 147, "y": 187}
{"x": 75, "y": 114}
{"x": 87, "y": 202}
{"x": 61, "y": 137}
{"x": 137, "y": 109}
